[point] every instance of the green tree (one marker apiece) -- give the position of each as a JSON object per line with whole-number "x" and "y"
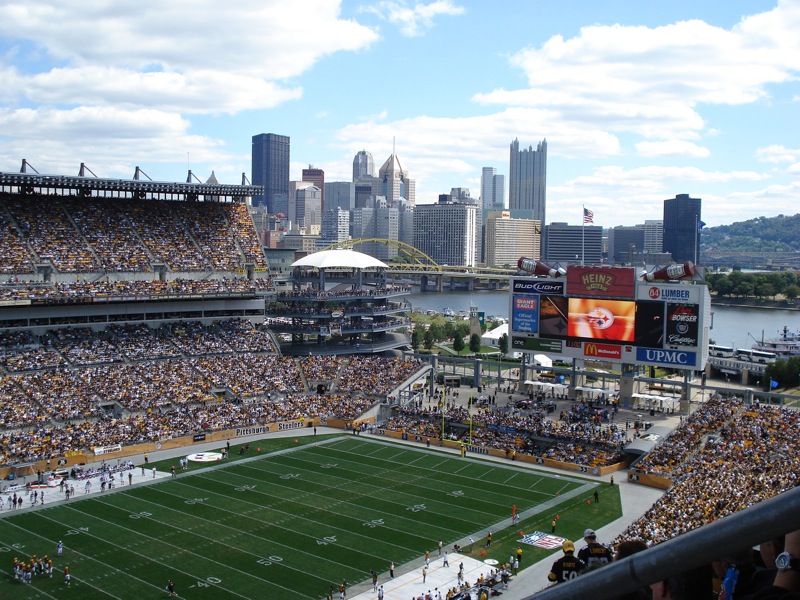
{"x": 474, "y": 343}
{"x": 458, "y": 344}
{"x": 438, "y": 332}
{"x": 415, "y": 339}
{"x": 791, "y": 292}
{"x": 428, "y": 340}
{"x": 502, "y": 343}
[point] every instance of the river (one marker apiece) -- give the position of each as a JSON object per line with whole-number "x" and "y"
{"x": 731, "y": 325}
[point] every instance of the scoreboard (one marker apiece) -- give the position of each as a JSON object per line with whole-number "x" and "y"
{"x": 606, "y": 313}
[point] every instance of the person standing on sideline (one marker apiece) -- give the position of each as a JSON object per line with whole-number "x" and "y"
{"x": 146, "y": 459}
{"x": 154, "y": 472}
{"x": 445, "y": 561}
{"x": 374, "y": 574}
{"x": 519, "y": 555}
{"x": 596, "y": 497}
{"x": 553, "y": 526}
{"x": 514, "y": 515}
{"x": 424, "y": 573}
{"x": 488, "y": 539}
{"x": 440, "y": 547}
{"x": 130, "y": 478}
{"x": 380, "y": 593}
{"x": 471, "y": 544}
{"x": 391, "y": 570}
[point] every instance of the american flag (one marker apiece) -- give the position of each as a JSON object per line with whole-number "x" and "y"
{"x": 588, "y": 216}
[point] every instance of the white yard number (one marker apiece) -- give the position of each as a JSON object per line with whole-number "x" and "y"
{"x": 416, "y": 507}
{"x": 269, "y": 560}
{"x": 209, "y": 581}
{"x": 245, "y": 488}
{"x": 290, "y": 476}
{"x": 456, "y": 493}
{"x": 79, "y": 530}
{"x": 328, "y": 466}
{"x": 331, "y": 539}
{"x": 141, "y": 515}
{"x": 374, "y": 523}
{"x": 11, "y": 548}
{"x": 195, "y": 500}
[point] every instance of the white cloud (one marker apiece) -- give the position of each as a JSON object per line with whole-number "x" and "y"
{"x": 413, "y": 19}
{"x": 172, "y": 55}
{"x": 672, "y": 148}
{"x": 110, "y": 139}
{"x": 777, "y": 154}
{"x": 652, "y": 81}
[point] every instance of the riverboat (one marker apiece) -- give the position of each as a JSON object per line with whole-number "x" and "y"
{"x": 785, "y": 346}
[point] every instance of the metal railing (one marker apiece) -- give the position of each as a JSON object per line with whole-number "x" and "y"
{"x": 759, "y": 523}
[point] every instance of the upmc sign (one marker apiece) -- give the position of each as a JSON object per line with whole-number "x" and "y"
{"x": 608, "y": 351}
{"x": 666, "y": 357}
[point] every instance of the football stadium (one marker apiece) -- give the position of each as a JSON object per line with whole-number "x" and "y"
{"x": 161, "y": 437}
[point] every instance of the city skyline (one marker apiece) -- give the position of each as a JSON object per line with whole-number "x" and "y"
{"x": 638, "y": 103}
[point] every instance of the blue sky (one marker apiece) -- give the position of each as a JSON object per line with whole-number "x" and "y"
{"x": 638, "y": 101}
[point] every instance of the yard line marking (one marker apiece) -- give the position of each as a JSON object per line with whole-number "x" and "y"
{"x": 289, "y": 517}
{"x": 87, "y": 556}
{"x": 178, "y": 549}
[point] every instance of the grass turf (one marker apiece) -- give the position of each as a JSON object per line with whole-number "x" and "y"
{"x": 289, "y": 519}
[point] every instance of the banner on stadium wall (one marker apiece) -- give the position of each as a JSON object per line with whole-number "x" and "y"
{"x": 107, "y": 449}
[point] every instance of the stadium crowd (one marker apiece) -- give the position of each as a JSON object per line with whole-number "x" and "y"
{"x": 752, "y": 457}
{"x": 585, "y": 441}
{"x": 83, "y": 235}
{"x": 129, "y": 384}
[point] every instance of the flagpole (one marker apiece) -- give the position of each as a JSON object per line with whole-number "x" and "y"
{"x": 583, "y": 230}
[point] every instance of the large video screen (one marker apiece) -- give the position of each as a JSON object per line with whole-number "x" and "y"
{"x": 601, "y": 319}
{"x": 649, "y": 328}
{"x": 553, "y": 317}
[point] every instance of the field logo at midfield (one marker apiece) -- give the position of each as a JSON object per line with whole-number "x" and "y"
{"x": 543, "y": 540}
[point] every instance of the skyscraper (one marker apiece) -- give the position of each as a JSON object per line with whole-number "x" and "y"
{"x": 493, "y": 189}
{"x": 446, "y": 232}
{"x": 363, "y": 165}
{"x": 317, "y": 177}
{"x": 394, "y": 182}
{"x": 681, "y": 227}
{"x": 527, "y": 179}
{"x": 270, "y": 168}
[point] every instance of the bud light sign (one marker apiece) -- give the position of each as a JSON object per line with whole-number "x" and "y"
{"x": 666, "y": 357}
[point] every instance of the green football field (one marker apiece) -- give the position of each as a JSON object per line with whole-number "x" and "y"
{"x": 288, "y": 523}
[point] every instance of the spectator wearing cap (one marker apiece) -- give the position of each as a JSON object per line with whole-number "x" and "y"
{"x": 594, "y": 554}
{"x": 567, "y": 567}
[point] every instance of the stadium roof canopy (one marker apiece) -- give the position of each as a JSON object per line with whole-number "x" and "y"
{"x": 29, "y": 183}
{"x": 348, "y": 259}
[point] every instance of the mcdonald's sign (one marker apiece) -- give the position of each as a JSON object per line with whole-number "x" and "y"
{"x": 607, "y": 351}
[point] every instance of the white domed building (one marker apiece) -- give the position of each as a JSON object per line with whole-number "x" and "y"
{"x": 340, "y": 303}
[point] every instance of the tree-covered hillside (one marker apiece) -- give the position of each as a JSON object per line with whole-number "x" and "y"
{"x": 775, "y": 234}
